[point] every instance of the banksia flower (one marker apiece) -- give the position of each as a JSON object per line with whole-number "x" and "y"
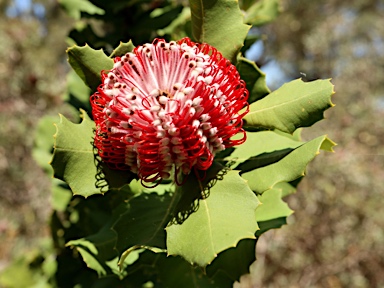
{"x": 168, "y": 108}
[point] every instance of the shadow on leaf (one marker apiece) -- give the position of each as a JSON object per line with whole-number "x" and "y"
{"x": 107, "y": 178}
{"x": 196, "y": 187}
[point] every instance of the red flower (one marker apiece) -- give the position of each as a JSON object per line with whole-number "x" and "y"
{"x": 168, "y": 106}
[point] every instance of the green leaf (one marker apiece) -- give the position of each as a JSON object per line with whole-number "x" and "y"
{"x": 272, "y": 206}
{"x": 43, "y": 142}
{"x": 99, "y": 250}
{"x": 77, "y": 93}
{"x": 295, "y": 104}
{"x": 254, "y": 78}
{"x": 222, "y": 220}
{"x": 188, "y": 276}
{"x": 177, "y": 25}
{"x": 88, "y": 64}
{"x": 262, "y": 12}
{"x": 74, "y": 159}
{"x": 260, "y": 143}
{"x": 61, "y": 195}
{"x": 270, "y": 224}
{"x": 142, "y": 224}
{"x": 75, "y": 7}
{"x": 220, "y": 24}
{"x": 123, "y": 49}
{"x": 234, "y": 262}
{"x": 289, "y": 168}
{"x": 285, "y": 188}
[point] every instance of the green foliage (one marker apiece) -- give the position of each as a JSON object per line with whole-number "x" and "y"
{"x": 42, "y": 152}
{"x": 220, "y": 24}
{"x": 74, "y": 160}
{"x": 223, "y": 219}
{"x": 73, "y": 146}
{"x": 254, "y": 78}
{"x": 289, "y": 168}
{"x": 74, "y": 8}
{"x": 261, "y": 12}
{"x": 78, "y": 92}
{"x": 88, "y": 64}
{"x": 295, "y": 104}
{"x": 273, "y": 207}
{"x": 204, "y": 231}
{"x": 122, "y": 49}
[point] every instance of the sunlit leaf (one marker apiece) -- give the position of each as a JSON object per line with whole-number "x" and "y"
{"x": 222, "y": 220}
{"x": 74, "y": 159}
{"x": 262, "y": 143}
{"x": 295, "y": 104}
{"x": 88, "y": 64}
{"x": 220, "y": 24}
{"x": 272, "y": 206}
{"x": 123, "y": 49}
{"x": 289, "y": 168}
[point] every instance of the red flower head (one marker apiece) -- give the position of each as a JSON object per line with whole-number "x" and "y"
{"x": 168, "y": 106}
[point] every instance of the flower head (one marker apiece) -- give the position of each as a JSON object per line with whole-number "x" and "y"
{"x": 168, "y": 106}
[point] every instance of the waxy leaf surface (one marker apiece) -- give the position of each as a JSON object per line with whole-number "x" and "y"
{"x": 272, "y": 206}
{"x": 295, "y": 104}
{"x": 74, "y": 159}
{"x": 289, "y": 168}
{"x": 220, "y": 24}
{"x": 122, "y": 49}
{"x": 260, "y": 143}
{"x": 224, "y": 218}
{"x": 88, "y": 64}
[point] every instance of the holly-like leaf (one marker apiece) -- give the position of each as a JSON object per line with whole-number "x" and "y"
{"x": 289, "y": 168}
{"x": 75, "y": 7}
{"x": 272, "y": 206}
{"x": 254, "y": 79}
{"x": 220, "y": 24}
{"x": 295, "y": 104}
{"x": 262, "y": 12}
{"x": 74, "y": 159}
{"x": 222, "y": 220}
{"x": 88, "y": 64}
{"x": 122, "y": 49}
{"x": 261, "y": 144}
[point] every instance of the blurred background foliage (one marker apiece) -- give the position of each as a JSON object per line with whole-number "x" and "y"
{"x": 335, "y": 237}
